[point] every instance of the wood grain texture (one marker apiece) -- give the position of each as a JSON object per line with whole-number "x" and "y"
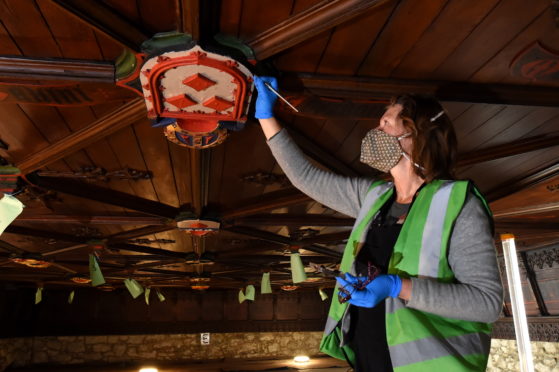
{"x": 307, "y": 24}
{"x": 501, "y": 26}
{"x": 454, "y": 23}
{"x": 123, "y": 117}
{"x": 392, "y": 43}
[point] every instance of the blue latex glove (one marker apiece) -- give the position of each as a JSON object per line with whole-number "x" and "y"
{"x": 377, "y": 290}
{"x": 266, "y": 99}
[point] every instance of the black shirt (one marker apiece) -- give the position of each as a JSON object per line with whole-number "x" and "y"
{"x": 367, "y": 335}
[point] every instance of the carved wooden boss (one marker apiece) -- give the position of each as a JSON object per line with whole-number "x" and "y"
{"x": 194, "y": 94}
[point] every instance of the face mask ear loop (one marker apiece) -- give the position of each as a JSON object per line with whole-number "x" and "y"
{"x": 405, "y": 135}
{"x": 405, "y": 155}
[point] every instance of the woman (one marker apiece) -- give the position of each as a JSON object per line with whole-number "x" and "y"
{"x": 439, "y": 286}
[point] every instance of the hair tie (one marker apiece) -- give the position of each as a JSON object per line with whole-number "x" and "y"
{"x": 437, "y": 116}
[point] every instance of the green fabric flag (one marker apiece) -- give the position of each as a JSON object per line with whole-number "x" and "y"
{"x": 242, "y": 297}
{"x": 133, "y": 287}
{"x": 146, "y": 295}
{"x": 297, "y": 268}
{"x": 95, "y": 273}
{"x": 323, "y": 294}
{"x": 10, "y": 208}
{"x": 250, "y": 292}
{"x": 39, "y": 295}
{"x": 71, "y": 297}
{"x": 160, "y": 296}
{"x": 265, "y": 286}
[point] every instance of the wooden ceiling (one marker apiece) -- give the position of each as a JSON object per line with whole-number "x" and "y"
{"x": 98, "y": 170}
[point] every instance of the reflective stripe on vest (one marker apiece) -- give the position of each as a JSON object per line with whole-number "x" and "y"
{"x": 432, "y": 233}
{"x": 416, "y": 339}
{"x": 432, "y": 348}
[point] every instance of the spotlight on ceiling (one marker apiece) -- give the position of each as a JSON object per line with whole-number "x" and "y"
{"x": 148, "y": 369}
{"x": 301, "y": 359}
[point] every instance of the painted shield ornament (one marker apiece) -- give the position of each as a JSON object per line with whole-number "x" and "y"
{"x": 197, "y": 226}
{"x": 194, "y": 94}
{"x": 536, "y": 62}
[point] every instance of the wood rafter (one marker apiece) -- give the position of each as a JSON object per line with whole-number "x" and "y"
{"x": 532, "y": 209}
{"x": 105, "y": 195}
{"x": 380, "y": 88}
{"x": 516, "y": 185}
{"x": 525, "y": 225}
{"x": 124, "y": 116}
{"x": 275, "y": 238}
{"x": 267, "y": 202}
{"x": 93, "y": 220}
{"x": 25, "y": 68}
{"x": 103, "y": 19}
{"x": 324, "y": 238}
{"x": 20, "y": 230}
{"x": 189, "y": 17}
{"x": 149, "y": 250}
{"x": 279, "y": 219}
{"x": 138, "y": 233}
{"x": 508, "y": 149}
{"x": 303, "y": 26}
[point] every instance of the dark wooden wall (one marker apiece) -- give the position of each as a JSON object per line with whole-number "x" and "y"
{"x": 98, "y": 313}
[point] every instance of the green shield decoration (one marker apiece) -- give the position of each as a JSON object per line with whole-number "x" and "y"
{"x": 297, "y": 269}
{"x": 39, "y": 295}
{"x": 95, "y": 273}
{"x": 242, "y": 297}
{"x": 265, "y": 286}
{"x": 250, "y": 292}
{"x": 146, "y": 295}
{"x": 322, "y": 294}
{"x": 133, "y": 287}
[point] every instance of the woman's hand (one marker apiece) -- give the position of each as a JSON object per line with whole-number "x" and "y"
{"x": 266, "y": 99}
{"x": 377, "y": 290}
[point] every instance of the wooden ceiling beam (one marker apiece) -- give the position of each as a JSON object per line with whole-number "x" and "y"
{"x": 361, "y": 88}
{"x": 104, "y": 195}
{"x": 189, "y": 17}
{"x": 26, "y": 68}
{"x": 122, "y": 117}
{"x": 526, "y": 225}
{"x": 138, "y": 233}
{"x": 267, "y": 202}
{"x": 275, "y": 238}
{"x": 307, "y": 24}
{"x": 92, "y": 220}
{"x": 10, "y": 248}
{"x": 104, "y": 19}
{"x": 508, "y": 149}
{"x": 324, "y": 238}
{"x": 148, "y": 250}
{"x": 512, "y": 186}
{"x": 20, "y": 230}
{"x": 531, "y": 209}
{"x": 282, "y": 219}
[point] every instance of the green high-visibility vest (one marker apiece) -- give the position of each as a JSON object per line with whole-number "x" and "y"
{"x": 417, "y": 341}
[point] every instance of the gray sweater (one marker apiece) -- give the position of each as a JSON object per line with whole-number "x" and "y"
{"x": 478, "y": 293}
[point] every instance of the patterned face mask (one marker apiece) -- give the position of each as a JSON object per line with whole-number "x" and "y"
{"x": 381, "y": 151}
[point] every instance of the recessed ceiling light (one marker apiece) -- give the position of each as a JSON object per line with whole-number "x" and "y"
{"x": 301, "y": 359}
{"x": 148, "y": 369}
